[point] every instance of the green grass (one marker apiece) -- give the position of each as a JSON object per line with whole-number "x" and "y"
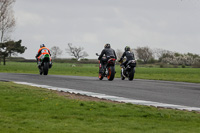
{"x": 170, "y": 74}
{"x": 25, "y": 109}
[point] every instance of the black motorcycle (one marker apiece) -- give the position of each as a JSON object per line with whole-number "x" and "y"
{"x": 128, "y": 71}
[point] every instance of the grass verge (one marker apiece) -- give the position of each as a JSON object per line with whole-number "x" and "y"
{"x": 27, "y": 109}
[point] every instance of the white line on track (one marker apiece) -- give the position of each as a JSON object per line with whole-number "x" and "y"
{"x": 115, "y": 98}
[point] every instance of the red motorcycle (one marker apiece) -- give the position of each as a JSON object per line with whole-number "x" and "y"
{"x": 108, "y": 69}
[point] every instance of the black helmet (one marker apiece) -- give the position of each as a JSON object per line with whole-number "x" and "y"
{"x": 42, "y": 45}
{"x": 127, "y": 48}
{"x": 107, "y": 45}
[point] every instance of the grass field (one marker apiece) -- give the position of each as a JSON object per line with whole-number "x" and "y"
{"x": 25, "y": 109}
{"x": 170, "y": 74}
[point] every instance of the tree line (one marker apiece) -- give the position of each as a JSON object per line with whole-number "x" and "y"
{"x": 144, "y": 55}
{"x": 147, "y": 55}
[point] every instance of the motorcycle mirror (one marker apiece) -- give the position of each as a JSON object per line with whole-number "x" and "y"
{"x": 97, "y": 54}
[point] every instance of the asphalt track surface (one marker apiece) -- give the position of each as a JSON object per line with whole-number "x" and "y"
{"x": 178, "y": 93}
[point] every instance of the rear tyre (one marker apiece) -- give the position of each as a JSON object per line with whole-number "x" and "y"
{"x": 46, "y": 68}
{"x": 111, "y": 73}
{"x": 131, "y": 74}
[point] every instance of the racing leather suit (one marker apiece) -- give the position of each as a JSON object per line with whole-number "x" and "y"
{"x": 129, "y": 56}
{"x": 106, "y": 54}
{"x": 41, "y": 51}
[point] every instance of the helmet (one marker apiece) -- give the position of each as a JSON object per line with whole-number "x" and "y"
{"x": 107, "y": 45}
{"x": 127, "y": 48}
{"x": 42, "y": 45}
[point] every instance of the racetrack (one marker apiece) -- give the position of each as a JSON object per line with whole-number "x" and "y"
{"x": 176, "y": 93}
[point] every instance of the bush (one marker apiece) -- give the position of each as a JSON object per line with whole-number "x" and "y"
{"x": 175, "y": 66}
{"x": 140, "y": 61}
{"x": 183, "y": 66}
{"x": 74, "y": 59}
{"x": 85, "y": 59}
{"x": 152, "y": 60}
{"x": 161, "y": 65}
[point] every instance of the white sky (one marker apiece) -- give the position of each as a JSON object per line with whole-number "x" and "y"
{"x": 168, "y": 24}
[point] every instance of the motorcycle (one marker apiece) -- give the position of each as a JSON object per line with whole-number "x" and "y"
{"x": 108, "y": 69}
{"x": 45, "y": 63}
{"x": 128, "y": 71}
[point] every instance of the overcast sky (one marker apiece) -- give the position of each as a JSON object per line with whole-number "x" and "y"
{"x": 168, "y": 24}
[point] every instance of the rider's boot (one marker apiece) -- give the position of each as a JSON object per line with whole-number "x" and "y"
{"x": 123, "y": 72}
{"x": 101, "y": 70}
{"x": 39, "y": 64}
{"x": 122, "y": 66}
{"x": 41, "y": 71}
{"x": 50, "y": 64}
{"x": 104, "y": 69}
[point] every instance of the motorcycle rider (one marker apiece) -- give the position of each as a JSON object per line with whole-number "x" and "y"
{"x": 42, "y": 51}
{"x": 106, "y": 54}
{"x": 129, "y": 56}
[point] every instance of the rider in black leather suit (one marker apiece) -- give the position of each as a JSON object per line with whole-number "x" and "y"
{"x": 106, "y": 54}
{"x": 128, "y": 54}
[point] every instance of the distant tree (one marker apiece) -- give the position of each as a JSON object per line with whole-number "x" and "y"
{"x": 119, "y": 53}
{"x": 161, "y": 53}
{"x": 193, "y": 55}
{"x": 55, "y": 52}
{"x": 11, "y": 47}
{"x": 176, "y": 58}
{"x": 7, "y": 21}
{"x": 176, "y": 54}
{"x": 144, "y": 53}
{"x": 76, "y": 52}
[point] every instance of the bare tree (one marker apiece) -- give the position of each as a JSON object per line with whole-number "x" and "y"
{"x": 160, "y": 53}
{"x": 77, "y": 52}
{"x": 7, "y": 22}
{"x": 144, "y": 53}
{"x": 55, "y": 52}
{"x": 119, "y": 53}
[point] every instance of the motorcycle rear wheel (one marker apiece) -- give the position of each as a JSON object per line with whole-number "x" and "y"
{"x": 111, "y": 73}
{"x": 46, "y": 68}
{"x": 131, "y": 74}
